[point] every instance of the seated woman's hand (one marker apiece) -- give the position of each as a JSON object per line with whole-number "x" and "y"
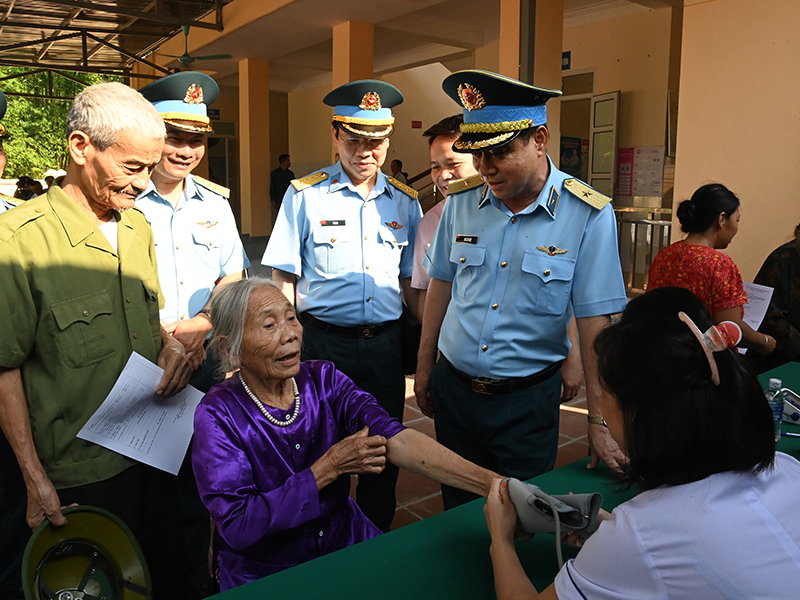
{"x": 356, "y": 454}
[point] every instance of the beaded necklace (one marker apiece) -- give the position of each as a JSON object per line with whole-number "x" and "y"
{"x": 262, "y": 408}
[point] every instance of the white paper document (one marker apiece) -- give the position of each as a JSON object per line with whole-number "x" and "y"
{"x": 758, "y": 297}
{"x": 137, "y": 423}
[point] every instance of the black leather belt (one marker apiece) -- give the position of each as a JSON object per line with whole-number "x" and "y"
{"x": 361, "y": 331}
{"x": 493, "y": 387}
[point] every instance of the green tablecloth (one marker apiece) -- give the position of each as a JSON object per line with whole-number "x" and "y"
{"x": 444, "y": 556}
{"x": 447, "y": 555}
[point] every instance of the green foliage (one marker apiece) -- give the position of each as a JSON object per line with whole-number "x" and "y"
{"x": 37, "y": 126}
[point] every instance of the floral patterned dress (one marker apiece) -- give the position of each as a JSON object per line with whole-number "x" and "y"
{"x": 710, "y": 274}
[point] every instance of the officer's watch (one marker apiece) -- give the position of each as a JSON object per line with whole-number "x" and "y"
{"x": 597, "y": 420}
{"x": 207, "y": 313}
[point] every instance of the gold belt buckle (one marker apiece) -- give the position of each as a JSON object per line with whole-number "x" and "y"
{"x": 482, "y": 386}
{"x": 366, "y": 332}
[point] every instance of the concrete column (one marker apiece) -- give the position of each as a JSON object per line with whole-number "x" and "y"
{"x": 353, "y": 52}
{"x": 510, "y": 14}
{"x": 531, "y": 39}
{"x": 254, "y": 156}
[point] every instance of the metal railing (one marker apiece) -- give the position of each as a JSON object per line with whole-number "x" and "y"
{"x": 641, "y": 234}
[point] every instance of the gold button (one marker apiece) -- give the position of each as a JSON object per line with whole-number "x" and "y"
{"x": 128, "y": 299}
{"x": 494, "y": 306}
{"x": 178, "y": 247}
{"x": 504, "y": 264}
{"x": 547, "y": 272}
{"x": 513, "y": 219}
{"x": 183, "y": 317}
{"x": 333, "y": 240}
{"x": 366, "y": 237}
{"x": 38, "y": 210}
{"x": 462, "y": 259}
{"x": 136, "y": 336}
{"x": 86, "y": 313}
{"x": 485, "y": 348}
{"x": 367, "y": 266}
{"x": 369, "y": 298}
{"x": 394, "y": 241}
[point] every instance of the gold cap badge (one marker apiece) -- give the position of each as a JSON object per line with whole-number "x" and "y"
{"x": 370, "y": 101}
{"x": 471, "y": 97}
{"x": 194, "y": 95}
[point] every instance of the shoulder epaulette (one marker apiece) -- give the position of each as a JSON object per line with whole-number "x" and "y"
{"x": 589, "y": 195}
{"x": 406, "y": 189}
{"x": 309, "y": 180}
{"x": 11, "y": 200}
{"x": 214, "y": 187}
{"x": 460, "y": 185}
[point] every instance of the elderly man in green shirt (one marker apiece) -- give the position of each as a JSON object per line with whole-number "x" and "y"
{"x": 80, "y": 292}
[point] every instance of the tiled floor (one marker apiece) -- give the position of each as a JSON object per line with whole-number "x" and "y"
{"x": 419, "y": 497}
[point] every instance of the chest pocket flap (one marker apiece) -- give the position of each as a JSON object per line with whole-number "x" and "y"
{"x": 207, "y": 236}
{"x": 393, "y": 237}
{"x": 87, "y": 331}
{"x": 83, "y": 309}
{"x": 547, "y": 287}
{"x": 467, "y": 255}
{"x": 329, "y": 236}
{"x": 548, "y": 268}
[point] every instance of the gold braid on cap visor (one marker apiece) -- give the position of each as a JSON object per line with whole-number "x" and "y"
{"x": 501, "y": 127}
{"x": 376, "y": 134}
{"x": 358, "y": 121}
{"x": 477, "y": 145}
{"x": 179, "y": 116}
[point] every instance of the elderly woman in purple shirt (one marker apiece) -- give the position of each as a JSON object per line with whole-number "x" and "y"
{"x": 274, "y": 444}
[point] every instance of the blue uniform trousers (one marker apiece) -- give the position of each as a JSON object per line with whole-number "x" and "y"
{"x": 515, "y": 434}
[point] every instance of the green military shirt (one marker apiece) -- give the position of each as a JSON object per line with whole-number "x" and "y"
{"x": 72, "y": 310}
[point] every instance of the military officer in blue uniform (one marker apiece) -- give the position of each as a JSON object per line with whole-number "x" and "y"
{"x": 520, "y": 248}
{"x": 342, "y": 248}
{"x": 199, "y": 251}
{"x": 197, "y": 243}
{"x": 6, "y": 201}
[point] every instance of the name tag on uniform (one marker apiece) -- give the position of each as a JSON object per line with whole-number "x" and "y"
{"x": 336, "y": 223}
{"x": 466, "y": 239}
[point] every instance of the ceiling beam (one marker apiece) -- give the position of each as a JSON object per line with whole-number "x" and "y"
{"x": 107, "y": 30}
{"x": 129, "y": 55}
{"x": 77, "y": 69}
{"x": 658, "y": 3}
{"x": 53, "y": 38}
{"x": 149, "y": 16}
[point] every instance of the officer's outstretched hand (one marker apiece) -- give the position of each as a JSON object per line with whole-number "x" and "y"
{"x": 176, "y": 365}
{"x": 603, "y": 446}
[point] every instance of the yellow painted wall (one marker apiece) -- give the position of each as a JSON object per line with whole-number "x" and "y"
{"x": 630, "y": 54}
{"x": 309, "y": 130}
{"x": 739, "y": 113}
{"x": 310, "y": 119}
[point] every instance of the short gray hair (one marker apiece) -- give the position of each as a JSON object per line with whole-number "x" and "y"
{"x": 228, "y": 316}
{"x": 103, "y": 110}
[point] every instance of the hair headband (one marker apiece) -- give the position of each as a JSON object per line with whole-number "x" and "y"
{"x": 716, "y": 339}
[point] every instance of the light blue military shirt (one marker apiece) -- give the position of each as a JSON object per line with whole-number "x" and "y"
{"x": 517, "y": 278}
{"x": 348, "y": 253}
{"x": 8, "y": 202}
{"x": 197, "y": 243}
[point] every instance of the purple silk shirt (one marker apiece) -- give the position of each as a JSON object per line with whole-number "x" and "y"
{"x": 256, "y": 481}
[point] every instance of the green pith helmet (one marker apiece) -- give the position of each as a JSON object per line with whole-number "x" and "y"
{"x": 94, "y": 556}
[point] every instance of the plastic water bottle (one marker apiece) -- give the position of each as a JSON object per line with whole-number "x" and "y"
{"x": 775, "y": 399}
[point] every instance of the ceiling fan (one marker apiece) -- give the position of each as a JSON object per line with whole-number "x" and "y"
{"x": 187, "y": 59}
